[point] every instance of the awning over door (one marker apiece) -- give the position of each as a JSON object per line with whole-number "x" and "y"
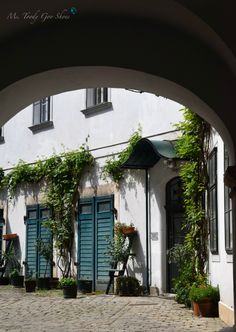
{"x": 147, "y": 152}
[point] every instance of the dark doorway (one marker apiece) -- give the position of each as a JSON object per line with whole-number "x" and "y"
{"x": 175, "y": 218}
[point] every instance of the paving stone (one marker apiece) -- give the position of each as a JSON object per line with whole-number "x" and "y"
{"x": 21, "y": 312}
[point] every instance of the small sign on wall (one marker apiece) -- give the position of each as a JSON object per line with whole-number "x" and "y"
{"x": 154, "y": 236}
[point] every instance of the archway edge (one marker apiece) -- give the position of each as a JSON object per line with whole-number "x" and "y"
{"x": 23, "y": 92}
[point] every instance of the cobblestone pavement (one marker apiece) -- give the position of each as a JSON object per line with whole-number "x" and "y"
{"x": 31, "y": 312}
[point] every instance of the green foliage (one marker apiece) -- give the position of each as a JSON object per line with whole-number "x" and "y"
{"x": 126, "y": 285}
{"x": 14, "y": 273}
{"x": 112, "y": 167}
{"x": 118, "y": 248}
{"x": 197, "y": 294}
{"x": 61, "y": 175}
{"x": 67, "y": 281}
{"x": 192, "y": 147}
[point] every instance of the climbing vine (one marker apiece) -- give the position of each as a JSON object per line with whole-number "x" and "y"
{"x": 112, "y": 167}
{"x": 60, "y": 175}
{"x": 193, "y": 148}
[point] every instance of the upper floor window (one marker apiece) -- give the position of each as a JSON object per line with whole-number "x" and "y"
{"x": 41, "y": 111}
{"x": 42, "y": 115}
{"x": 97, "y": 99}
{"x": 228, "y": 211}
{"x": 96, "y": 96}
{"x": 1, "y": 135}
{"x": 212, "y": 170}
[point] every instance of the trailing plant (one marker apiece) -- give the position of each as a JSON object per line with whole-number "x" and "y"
{"x": 112, "y": 167}
{"x": 193, "y": 147}
{"x": 61, "y": 175}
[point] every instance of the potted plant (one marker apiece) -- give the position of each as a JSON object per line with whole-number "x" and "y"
{"x": 206, "y": 298}
{"x": 85, "y": 285}
{"x": 124, "y": 228}
{"x": 127, "y": 286}
{"x": 45, "y": 249}
{"x": 17, "y": 280}
{"x": 30, "y": 282}
{"x": 69, "y": 286}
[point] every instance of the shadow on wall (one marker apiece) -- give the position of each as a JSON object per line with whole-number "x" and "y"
{"x": 129, "y": 183}
{"x": 136, "y": 266}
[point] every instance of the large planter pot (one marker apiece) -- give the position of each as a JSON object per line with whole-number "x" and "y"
{"x": 4, "y": 281}
{"x": 54, "y": 283}
{"x": 70, "y": 292}
{"x": 43, "y": 283}
{"x": 30, "y": 286}
{"x": 85, "y": 286}
{"x": 17, "y": 281}
{"x": 208, "y": 308}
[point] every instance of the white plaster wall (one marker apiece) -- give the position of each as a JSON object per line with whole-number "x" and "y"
{"x": 72, "y": 128}
{"x": 220, "y": 266}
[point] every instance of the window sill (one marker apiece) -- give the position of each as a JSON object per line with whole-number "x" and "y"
{"x": 41, "y": 126}
{"x": 96, "y": 109}
{"x": 215, "y": 258}
{"x": 2, "y": 140}
{"x": 229, "y": 258}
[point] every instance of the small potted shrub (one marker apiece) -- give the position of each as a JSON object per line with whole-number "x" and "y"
{"x": 30, "y": 284}
{"x": 85, "y": 285}
{"x": 207, "y": 298}
{"x": 127, "y": 286}
{"x": 69, "y": 286}
{"x": 17, "y": 280}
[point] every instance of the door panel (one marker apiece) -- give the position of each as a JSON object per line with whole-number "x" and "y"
{"x": 36, "y": 264}
{"x": 95, "y": 230}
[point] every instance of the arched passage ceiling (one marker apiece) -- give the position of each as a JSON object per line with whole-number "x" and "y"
{"x": 189, "y": 43}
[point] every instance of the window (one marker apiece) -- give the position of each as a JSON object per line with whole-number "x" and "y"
{"x": 212, "y": 204}
{"x": 1, "y": 135}
{"x": 42, "y": 115}
{"x": 96, "y": 96}
{"x": 97, "y": 101}
{"x": 41, "y": 111}
{"x": 228, "y": 211}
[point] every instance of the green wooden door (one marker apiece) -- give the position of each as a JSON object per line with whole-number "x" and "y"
{"x": 95, "y": 230}
{"x": 1, "y": 231}
{"x": 36, "y": 264}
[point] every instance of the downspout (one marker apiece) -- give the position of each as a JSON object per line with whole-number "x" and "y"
{"x": 147, "y": 228}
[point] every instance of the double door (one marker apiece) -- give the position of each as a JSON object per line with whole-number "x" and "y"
{"x": 95, "y": 231}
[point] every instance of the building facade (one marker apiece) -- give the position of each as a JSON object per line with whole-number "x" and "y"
{"x": 104, "y": 119}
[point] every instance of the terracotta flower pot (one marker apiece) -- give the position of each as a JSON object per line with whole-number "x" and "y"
{"x": 10, "y": 236}
{"x": 196, "y": 310}
{"x": 128, "y": 230}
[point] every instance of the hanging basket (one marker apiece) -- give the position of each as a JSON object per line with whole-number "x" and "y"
{"x": 11, "y": 236}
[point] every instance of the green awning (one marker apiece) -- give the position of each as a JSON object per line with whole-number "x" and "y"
{"x": 147, "y": 152}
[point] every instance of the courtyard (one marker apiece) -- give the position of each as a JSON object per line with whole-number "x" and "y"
{"x": 48, "y": 311}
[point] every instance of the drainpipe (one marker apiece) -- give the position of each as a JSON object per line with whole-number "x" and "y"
{"x": 147, "y": 228}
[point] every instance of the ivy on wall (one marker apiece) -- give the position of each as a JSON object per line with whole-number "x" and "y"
{"x": 192, "y": 147}
{"x": 61, "y": 175}
{"x": 112, "y": 167}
